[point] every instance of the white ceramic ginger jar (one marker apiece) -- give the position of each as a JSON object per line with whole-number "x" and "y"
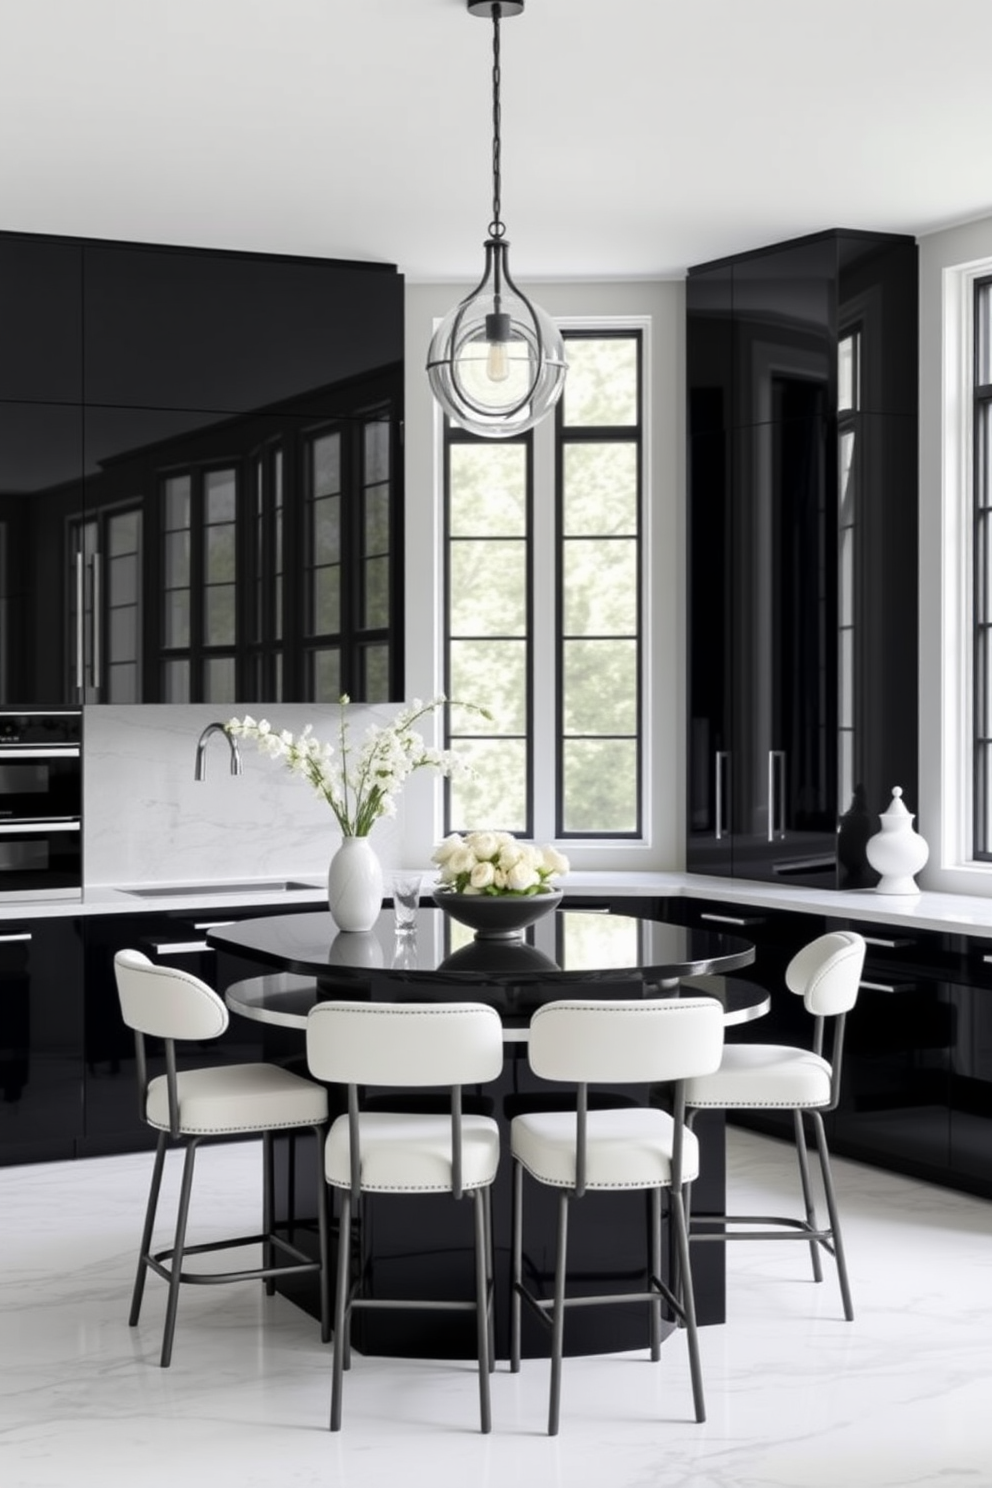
{"x": 897, "y": 851}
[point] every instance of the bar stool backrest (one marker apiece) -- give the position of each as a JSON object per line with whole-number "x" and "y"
{"x": 826, "y": 973}
{"x": 411, "y": 1044}
{"x": 607, "y": 1041}
{"x": 165, "y": 1003}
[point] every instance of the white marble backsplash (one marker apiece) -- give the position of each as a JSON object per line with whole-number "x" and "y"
{"x": 146, "y": 820}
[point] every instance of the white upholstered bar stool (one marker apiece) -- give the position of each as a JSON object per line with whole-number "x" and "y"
{"x": 407, "y": 1045}
{"x": 826, "y": 973}
{"x": 580, "y": 1152}
{"x": 190, "y": 1106}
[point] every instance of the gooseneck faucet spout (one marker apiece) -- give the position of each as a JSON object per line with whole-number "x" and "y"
{"x": 200, "y": 770}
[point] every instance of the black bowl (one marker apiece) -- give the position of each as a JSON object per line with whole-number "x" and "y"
{"x": 497, "y": 916}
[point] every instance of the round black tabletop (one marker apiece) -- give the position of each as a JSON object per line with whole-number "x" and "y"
{"x": 571, "y": 952}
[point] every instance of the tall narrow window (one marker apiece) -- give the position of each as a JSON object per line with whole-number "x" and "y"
{"x": 983, "y": 570}
{"x": 848, "y": 406}
{"x": 544, "y": 607}
{"x": 489, "y": 629}
{"x": 599, "y": 592}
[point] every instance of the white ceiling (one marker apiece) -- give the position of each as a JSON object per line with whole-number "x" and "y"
{"x": 639, "y": 136}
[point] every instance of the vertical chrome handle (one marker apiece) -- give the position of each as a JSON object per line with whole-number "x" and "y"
{"x": 776, "y": 794}
{"x": 719, "y": 760}
{"x": 79, "y": 619}
{"x": 96, "y": 621}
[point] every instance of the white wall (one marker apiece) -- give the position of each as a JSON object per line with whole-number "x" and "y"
{"x": 940, "y": 706}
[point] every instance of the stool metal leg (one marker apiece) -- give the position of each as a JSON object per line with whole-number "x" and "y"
{"x": 803, "y": 1157}
{"x": 688, "y": 1301}
{"x": 323, "y": 1241}
{"x": 654, "y": 1263}
{"x": 268, "y": 1208}
{"x": 517, "y": 1272}
{"x": 831, "y": 1198}
{"x": 482, "y": 1306}
{"x": 558, "y": 1314}
{"x": 341, "y": 1314}
{"x": 149, "y": 1226}
{"x": 176, "y": 1264}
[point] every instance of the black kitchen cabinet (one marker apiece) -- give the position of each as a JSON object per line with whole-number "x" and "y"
{"x": 41, "y": 327}
{"x": 236, "y": 332}
{"x": 212, "y": 511}
{"x": 802, "y": 555}
{"x": 41, "y": 1038}
{"x": 41, "y": 571}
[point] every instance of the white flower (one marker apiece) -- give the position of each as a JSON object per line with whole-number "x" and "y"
{"x": 554, "y": 862}
{"x": 490, "y": 862}
{"x": 521, "y": 876}
{"x": 482, "y": 875}
{"x": 483, "y": 844}
{"x": 358, "y": 786}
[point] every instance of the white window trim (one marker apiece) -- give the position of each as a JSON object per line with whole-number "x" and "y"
{"x": 957, "y": 567}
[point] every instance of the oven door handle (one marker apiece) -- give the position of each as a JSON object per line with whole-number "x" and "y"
{"x": 12, "y": 752}
{"x": 40, "y": 828}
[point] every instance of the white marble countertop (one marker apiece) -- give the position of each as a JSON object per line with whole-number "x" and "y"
{"x": 951, "y": 913}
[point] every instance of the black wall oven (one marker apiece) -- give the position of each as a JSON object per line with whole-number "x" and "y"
{"x": 41, "y": 805}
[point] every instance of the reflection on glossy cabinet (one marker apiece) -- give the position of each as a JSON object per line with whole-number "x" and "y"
{"x": 41, "y": 1039}
{"x": 214, "y": 512}
{"x": 802, "y": 540}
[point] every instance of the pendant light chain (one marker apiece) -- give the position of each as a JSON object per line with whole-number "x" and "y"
{"x": 496, "y": 228}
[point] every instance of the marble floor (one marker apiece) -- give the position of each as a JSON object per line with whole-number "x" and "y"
{"x": 797, "y": 1398}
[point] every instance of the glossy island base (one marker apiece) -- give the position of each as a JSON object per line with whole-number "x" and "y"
{"x": 422, "y": 1247}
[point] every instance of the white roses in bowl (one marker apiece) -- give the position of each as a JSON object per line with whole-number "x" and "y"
{"x": 496, "y": 863}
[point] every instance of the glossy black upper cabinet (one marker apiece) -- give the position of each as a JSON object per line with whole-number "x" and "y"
{"x": 232, "y": 332}
{"x": 41, "y": 328}
{"x": 41, "y": 577}
{"x": 201, "y": 476}
{"x": 802, "y": 529}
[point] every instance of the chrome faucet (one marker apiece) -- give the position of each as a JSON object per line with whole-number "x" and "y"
{"x": 200, "y": 771}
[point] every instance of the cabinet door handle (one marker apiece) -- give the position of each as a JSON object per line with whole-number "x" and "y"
{"x": 776, "y": 794}
{"x": 80, "y": 599}
{"x": 718, "y": 919}
{"x": 719, "y": 759}
{"x": 179, "y": 947}
{"x": 884, "y": 987}
{"x": 891, "y": 945}
{"x": 20, "y": 935}
{"x": 987, "y": 960}
{"x": 96, "y": 621}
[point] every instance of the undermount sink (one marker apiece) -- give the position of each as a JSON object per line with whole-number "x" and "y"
{"x": 276, "y": 886}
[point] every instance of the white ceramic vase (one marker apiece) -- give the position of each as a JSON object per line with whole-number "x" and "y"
{"x": 896, "y": 851}
{"x": 354, "y": 885}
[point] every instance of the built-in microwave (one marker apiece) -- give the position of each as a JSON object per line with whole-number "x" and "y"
{"x": 41, "y": 804}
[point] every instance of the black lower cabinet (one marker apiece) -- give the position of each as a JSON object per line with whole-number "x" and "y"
{"x": 916, "y": 1087}
{"x": 41, "y": 1039}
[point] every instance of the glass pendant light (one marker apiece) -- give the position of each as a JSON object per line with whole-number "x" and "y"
{"x": 496, "y": 362}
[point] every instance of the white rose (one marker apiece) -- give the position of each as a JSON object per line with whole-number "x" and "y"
{"x": 483, "y": 844}
{"x": 520, "y": 877}
{"x": 553, "y": 861}
{"x": 482, "y": 876}
{"x": 461, "y": 860}
{"x": 509, "y": 854}
{"x": 444, "y": 849}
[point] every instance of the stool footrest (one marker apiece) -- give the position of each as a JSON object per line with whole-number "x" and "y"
{"x": 159, "y": 1262}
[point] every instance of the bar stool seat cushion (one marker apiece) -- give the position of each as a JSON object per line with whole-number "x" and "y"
{"x": 763, "y": 1076}
{"x": 404, "y": 1152}
{"x": 237, "y": 1098}
{"x": 629, "y": 1147}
